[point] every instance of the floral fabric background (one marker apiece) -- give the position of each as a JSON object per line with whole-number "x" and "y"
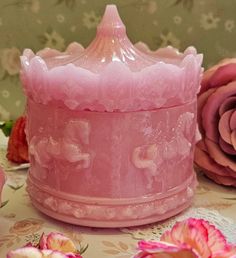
{"x": 209, "y": 25}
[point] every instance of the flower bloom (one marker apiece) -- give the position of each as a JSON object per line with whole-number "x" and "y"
{"x": 192, "y": 238}
{"x": 54, "y": 245}
{"x": 215, "y": 153}
{"x": 17, "y": 150}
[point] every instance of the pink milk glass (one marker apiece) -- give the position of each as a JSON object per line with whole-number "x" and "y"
{"x": 111, "y": 129}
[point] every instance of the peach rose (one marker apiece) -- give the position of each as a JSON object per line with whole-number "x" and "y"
{"x": 215, "y": 153}
{"x": 10, "y": 60}
{"x": 26, "y": 226}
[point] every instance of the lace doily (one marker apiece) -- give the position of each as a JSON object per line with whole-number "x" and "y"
{"x": 154, "y": 231}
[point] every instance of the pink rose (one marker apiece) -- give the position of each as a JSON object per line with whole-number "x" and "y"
{"x": 192, "y": 238}
{"x": 54, "y": 245}
{"x": 215, "y": 153}
{"x": 59, "y": 242}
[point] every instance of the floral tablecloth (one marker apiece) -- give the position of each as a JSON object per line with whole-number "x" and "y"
{"x": 20, "y": 222}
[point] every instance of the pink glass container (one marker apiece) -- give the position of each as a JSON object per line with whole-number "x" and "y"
{"x": 111, "y": 129}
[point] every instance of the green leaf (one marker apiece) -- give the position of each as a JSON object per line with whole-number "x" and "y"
{"x": 4, "y": 204}
{"x": 83, "y": 249}
{"x": 7, "y": 127}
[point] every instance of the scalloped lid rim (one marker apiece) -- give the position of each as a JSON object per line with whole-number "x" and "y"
{"x": 111, "y": 44}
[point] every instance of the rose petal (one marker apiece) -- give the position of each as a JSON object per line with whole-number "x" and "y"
{"x": 233, "y": 139}
{"x": 70, "y": 255}
{"x": 207, "y": 76}
{"x": 224, "y": 127}
{"x": 232, "y": 122}
{"x": 43, "y": 242}
{"x": 53, "y": 254}
{"x": 216, "y": 240}
{"x": 204, "y": 161}
{"x": 25, "y": 252}
{"x": 202, "y": 99}
{"x": 190, "y": 232}
{"x": 210, "y": 114}
{"x": 228, "y": 252}
{"x": 164, "y": 250}
{"x": 228, "y": 104}
{"x": 205, "y": 80}
{"x": 222, "y": 180}
{"x": 59, "y": 242}
{"x": 201, "y": 144}
{"x": 220, "y": 157}
{"x": 223, "y": 75}
{"x": 152, "y": 246}
{"x": 227, "y": 147}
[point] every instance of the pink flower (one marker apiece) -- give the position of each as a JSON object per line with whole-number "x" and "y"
{"x": 151, "y": 249}
{"x": 215, "y": 153}
{"x": 192, "y": 238}
{"x": 54, "y": 245}
{"x": 57, "y": 241}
